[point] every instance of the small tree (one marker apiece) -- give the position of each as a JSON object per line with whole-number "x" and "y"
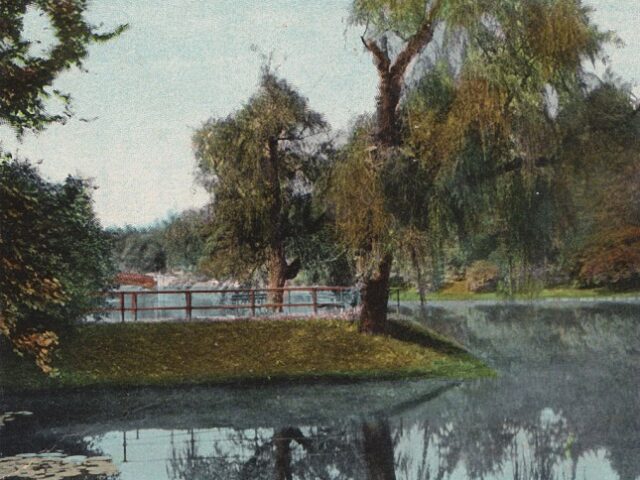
{"x": 259, "y": 166}
{"x": 183, "y": 238}
{"x": 611, "y": 259}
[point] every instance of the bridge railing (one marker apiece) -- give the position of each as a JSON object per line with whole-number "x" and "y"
{"x": 228, "y": 303}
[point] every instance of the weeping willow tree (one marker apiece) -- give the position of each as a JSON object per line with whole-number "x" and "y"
{"x": 259, "y": 165}
{"x": 488, "y": 125}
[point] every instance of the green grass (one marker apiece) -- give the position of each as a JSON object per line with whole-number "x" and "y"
{"x": 550, "y": 293}
{"x": 239, "y": 352}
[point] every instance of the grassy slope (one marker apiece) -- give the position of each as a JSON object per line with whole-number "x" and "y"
{"x": 457, "y": 291}
{"x": 241, "y": 351}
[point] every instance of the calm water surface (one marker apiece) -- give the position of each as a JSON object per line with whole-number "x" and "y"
{"x": 565, "y": 405}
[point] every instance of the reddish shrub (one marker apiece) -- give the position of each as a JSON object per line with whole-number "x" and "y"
{"x": 611, "y": 259}
{"x": 482, "y": 276}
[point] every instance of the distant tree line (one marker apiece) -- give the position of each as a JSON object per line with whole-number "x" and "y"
{"x": 186, "y": 243}
{"x": 174, "y": 244}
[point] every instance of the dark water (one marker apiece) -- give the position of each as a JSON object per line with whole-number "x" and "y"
{"x": 566, "y": 405}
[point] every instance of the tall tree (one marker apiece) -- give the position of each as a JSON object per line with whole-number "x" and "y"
{"x": 43, "y": 257}
{"x": 259, "y": 165}
{"x": 504, "y": 57}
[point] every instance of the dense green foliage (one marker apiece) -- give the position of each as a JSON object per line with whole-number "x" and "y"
{"x": 559, "y": 210}
{"x": 28, "y": 70}
{"x": 174, "y": 244}
{"x": 303, "y": 350}
{"x": 54, "y": 255}
{"x": 260, "y": 164}
{"x": 603, "y": 128}
{"x": 139, "y": 250}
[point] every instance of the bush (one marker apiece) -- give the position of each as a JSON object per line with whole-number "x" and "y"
{"x": 54, "y": 256}
{"x": 482, "y": 276}
{"x": 611, "y": 259}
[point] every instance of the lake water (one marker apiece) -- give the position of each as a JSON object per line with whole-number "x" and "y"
{"x": 565, "y": 405}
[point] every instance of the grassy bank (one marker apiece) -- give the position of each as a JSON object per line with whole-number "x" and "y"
{"x": 457, "y": 291}
{"x": 239, "y": 352}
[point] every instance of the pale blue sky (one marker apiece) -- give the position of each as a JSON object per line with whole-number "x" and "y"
{"x": 182, "y": 62}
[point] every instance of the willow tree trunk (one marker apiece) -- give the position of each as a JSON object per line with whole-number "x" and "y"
{"x": 374, "y": 293}
{"x": 277, "y": 276}
{"x": 282, "y": 443}
{"x": 378, "y": 450}
{"x": 387, "y": 139}
{"x": 279, "y": 271}
{"x": 277, "y": 268}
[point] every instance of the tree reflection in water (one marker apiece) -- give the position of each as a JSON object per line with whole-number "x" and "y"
{"x": 281, "y": 454}
{"x": 377, "y": 449}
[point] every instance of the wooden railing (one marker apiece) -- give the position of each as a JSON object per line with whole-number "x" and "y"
{"x": 243, "y": 299}
{"x": 394, "y": 294}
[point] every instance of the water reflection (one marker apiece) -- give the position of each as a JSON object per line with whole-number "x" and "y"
{"x": 566, "y": 405}
{"x": 282, "y": 453}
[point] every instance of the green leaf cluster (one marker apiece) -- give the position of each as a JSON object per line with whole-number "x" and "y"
{"x": 26, "y": 76}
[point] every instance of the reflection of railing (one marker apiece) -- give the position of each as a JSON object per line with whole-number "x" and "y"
{"x": 240, "y": 300}
{"x": 395, "y": 292}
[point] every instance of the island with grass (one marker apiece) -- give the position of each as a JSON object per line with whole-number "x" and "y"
{"x": 258, "y": 351}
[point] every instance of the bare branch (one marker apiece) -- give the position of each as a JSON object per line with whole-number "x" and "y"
{"x": 382, "y": 59}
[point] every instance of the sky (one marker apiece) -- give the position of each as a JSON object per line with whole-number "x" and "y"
{"x": 181, "y": 62}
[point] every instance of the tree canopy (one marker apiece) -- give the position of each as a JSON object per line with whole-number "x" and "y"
{"x": 53, "y": 254}
{"x": 259, "y": 164}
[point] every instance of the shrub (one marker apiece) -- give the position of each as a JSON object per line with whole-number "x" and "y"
{"x": 482, "y": 276}
{"x": 611, "y": 259}
{"x": 54, "y": 257}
